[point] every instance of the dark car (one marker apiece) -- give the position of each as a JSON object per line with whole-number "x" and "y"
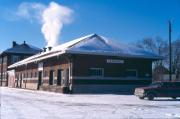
{"x": 159, "y": 89}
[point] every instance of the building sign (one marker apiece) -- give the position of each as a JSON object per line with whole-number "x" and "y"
{"x": 115, "y": 61}
{"x": 40, "y": 66}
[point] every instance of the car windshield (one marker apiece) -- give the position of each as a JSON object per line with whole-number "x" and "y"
{"x": 155, "y": 84}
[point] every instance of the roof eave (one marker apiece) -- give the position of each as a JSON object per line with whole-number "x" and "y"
{"x": 116, "y": 54}
{"x": 37, "y": 59}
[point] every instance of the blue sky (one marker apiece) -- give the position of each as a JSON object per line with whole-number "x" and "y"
{"x": 120, "y": 20}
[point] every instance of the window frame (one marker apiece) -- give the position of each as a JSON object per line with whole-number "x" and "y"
{"x": 15, "y": 58}
{"x": 132, "y": 70}
{"x": 94, "y": 68}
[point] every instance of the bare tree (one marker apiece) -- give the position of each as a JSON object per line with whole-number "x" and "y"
{"x": 176, "y": 58}
{"x": 157, "y": 46}
{"x": 160, "y": 47}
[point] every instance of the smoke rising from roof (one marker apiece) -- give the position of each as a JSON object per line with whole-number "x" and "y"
{"x": 51, "y": 17}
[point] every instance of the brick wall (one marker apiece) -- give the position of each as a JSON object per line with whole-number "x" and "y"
{"x": 82, "y": 64}
{"x": 114, "y": 73}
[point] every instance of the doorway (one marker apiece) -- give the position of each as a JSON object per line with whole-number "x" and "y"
{"x": 39, "y": 79}
{"x": 17, "y": 81}
{"x": 65, "y": 81}
{"x": 51, "y": 77}
{"x": 59, "y": 76}
{"x": 21, "y": 80}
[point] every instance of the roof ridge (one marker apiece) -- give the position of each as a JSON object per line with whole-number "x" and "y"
{"x": 72, "y": 42}
{"x": 83, "y": 39}
{"x": 89, "y": 38}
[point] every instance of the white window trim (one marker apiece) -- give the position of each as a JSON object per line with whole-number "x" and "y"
{"x": 98, "y": 69}
{"x": 132, "y": 70}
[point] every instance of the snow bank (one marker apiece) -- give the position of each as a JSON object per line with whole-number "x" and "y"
{"x": 27, "y": 104}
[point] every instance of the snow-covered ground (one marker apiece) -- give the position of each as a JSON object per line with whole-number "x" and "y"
{"x": 27, "y": 104}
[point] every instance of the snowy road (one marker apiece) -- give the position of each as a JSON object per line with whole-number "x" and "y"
{"x": 26, "y": 104}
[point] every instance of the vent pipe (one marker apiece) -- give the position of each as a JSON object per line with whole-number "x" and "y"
{"x": 49, "y": 48}
{"x": 44, "y": 49}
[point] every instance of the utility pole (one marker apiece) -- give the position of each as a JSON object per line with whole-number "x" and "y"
{"x": 170, "y": 55}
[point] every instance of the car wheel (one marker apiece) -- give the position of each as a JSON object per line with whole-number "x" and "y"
{"x": 150, "y": 96}
{"x": 174, "y": 98}
{"x": 141, "y": 97}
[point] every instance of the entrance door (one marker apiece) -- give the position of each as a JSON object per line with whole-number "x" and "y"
{"x": 20, "y": 80}
{"x": 51, "y": 77}
{"x": 17, "y": 81}
{"x": 39, "y": 79}
{"x": 66, "y": 78}
{"x": 59, "y": 75}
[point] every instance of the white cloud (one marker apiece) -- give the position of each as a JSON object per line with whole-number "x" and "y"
{"x": 30, "y": 11}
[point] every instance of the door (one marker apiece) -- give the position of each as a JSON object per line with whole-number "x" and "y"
{"x": 17, "y": 81}
{"x": 39, "y": 79}
{"x": 66, "y": 78}
{"x": 59, "y": 76}
{"x": 51, "y": 77}
{"x": 20, "y": 80}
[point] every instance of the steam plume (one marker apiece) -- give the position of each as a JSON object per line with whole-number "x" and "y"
{"x": 53, "y": 19}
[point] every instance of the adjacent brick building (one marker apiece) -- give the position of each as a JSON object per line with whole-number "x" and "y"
{"x": 12, "y": 55}
{"x": 86, "y": 65}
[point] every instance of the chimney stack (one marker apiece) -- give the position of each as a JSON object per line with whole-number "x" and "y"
{"x": 24, "y": 42}
{"x": 44, "y": 49}
{"x": 14, "y": 43}
{"x": 49, "y": 48}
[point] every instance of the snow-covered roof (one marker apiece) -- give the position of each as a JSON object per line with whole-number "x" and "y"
{"x": 91, "y": 44}
{"x": 23, "y": 49}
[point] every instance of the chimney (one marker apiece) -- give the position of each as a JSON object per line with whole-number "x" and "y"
{"x": 40, "y": 51}
{"x": 44, "y": 49}
{"x": 49, "y": 48}
{"x": 24, "y": 42}
{"x": 14, "y": 43}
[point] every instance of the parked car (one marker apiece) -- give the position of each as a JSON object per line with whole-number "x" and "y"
{"x": 159, "y": 89}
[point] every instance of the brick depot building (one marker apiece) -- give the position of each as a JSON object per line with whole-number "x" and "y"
{"x": 12, "y": 55}
{"x": 86, "y": 65}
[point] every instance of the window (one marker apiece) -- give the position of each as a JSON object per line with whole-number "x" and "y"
{"x": 131, "y": 73}
{"x": 168, "y": 85}
{"x": 15, "y": 58}
{"x": 35, "y": 74}
{"x": 45, "y": 74}
{"x": 5, "y": 59}
{"x": 96, "y": 72}
{"x": 24, "y": 75}
{"x": 16, "y": 76}
{"x": 147, "y": 75}
{"x": 0, "y": 60}
{"x": 27, "y": 75}
{"x": 4, "y": 77}
{"x": 31, "y": 74}
{"x": 155, "y": 84}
